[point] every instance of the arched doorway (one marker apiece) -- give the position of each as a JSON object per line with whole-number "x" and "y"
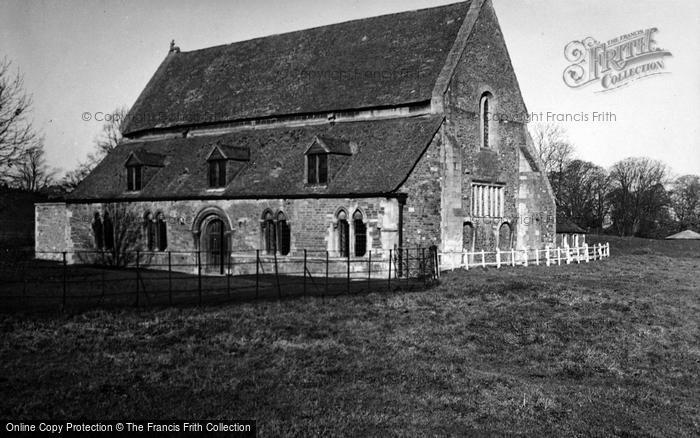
{"x": 468, "y": 240}
{"x": 505, "y": 237}
{"x": 215, "y": 247}
{"x": 468, "y": 237}
{"x": 212, "y": 230}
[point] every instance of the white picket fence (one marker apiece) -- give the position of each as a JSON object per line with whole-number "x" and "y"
{"x": 449, "y": 261}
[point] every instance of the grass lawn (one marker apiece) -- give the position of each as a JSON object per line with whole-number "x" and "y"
{"x": 606, "y": 348}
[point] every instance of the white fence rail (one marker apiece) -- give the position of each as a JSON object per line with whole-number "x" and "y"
{"x": 522, "y": 257}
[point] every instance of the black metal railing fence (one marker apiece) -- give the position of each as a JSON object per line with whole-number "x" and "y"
{"x": 31, "y": 280}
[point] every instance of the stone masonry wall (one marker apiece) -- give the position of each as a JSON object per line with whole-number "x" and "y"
{"x": 52, "y": 233}
{"x": 537, "y": 214}
{"x": 484, "y": 67}
{"x": 69, "y": 227}
{"x": 422, "y": 210}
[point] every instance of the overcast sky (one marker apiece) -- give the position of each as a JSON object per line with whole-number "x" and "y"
{"x": 94, "y": 56}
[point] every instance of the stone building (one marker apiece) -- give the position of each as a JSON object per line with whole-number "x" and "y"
{"x": 397, "y": 131}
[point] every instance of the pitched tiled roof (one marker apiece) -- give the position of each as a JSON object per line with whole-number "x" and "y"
{"x": 387, "y": 151}
{"x": 381, "y": 61}
{"x": 333, "y": 145}
{"x": 146, "y": 158}
{"x": 230, "y": 152}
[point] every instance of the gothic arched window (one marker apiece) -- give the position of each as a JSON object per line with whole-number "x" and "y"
{"x": 161, "y": 232}
{"x": 108, "y": 232}
{"x": 269, "y": 232}
{"x": 486, "y": 116}
{"x": 343, "y": 234}
{"x": 360, "y": 234}
{"x": 149, "y": 226}
{"x": 98, "y": 231}
{"x": 283, "y": 234}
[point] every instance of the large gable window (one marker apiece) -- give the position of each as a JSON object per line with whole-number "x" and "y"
{"x": 317, "y": 165}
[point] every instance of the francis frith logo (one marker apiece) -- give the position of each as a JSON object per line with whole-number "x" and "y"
{"x": 615, "y": 63}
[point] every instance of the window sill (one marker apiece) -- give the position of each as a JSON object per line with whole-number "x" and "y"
{"x": 216, "y": 189}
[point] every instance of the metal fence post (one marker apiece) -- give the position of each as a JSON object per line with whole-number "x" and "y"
{"x": 277, "y": 275}
{"x": 326, "y": 289}
{"x": 228, "y": 277}
{"x": 257, "y": 273}
{"x": 138, "y": 261}
{"x": 369, "y": 272}
{"x": 304, "y": 271}
{"x": 390, "y": 261}
{"x": 408, "y": 265}
{"x": 170, "y": 279}
{"x": 348, "y": 279}
{"x": 199, "y": 276}
{"x": 65, "y": 278}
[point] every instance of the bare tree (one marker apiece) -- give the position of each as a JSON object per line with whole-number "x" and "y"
{"x": 554, "y": 151}
{"x": 117, "y": 232}
{"x": 583, "y": 193}
{"x": 74, "y": 177}
{"x": 637, "y": 195}
{"x": 16, "y": 132}
{"x": 111, "y": 133}
{"x": 685, "y": 200}
{"x": 105, "y": 142}
{"x": 31, "y": 172}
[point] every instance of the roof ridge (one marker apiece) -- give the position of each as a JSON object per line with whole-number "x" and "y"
{"x": 306, "y": 29}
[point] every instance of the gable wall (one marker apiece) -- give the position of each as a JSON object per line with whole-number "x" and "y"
{"x": 423, "y": 204}
{"x": 484, "y": 66}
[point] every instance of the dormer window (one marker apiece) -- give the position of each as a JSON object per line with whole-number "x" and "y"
{"x": 141, "y": 166}
{"x": 317, "y": 165}
{"x": 318, "y": 161}
{"x": 217, "y": 173}
{"x": 133, "y": 178}
{"x": 225, "y": 162}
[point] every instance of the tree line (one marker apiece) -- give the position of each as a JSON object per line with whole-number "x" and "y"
{"x": 637, "y": 196}
{"x": 23, "y": 164}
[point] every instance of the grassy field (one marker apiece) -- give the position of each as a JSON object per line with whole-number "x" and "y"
{"x": 610, "y": 348}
